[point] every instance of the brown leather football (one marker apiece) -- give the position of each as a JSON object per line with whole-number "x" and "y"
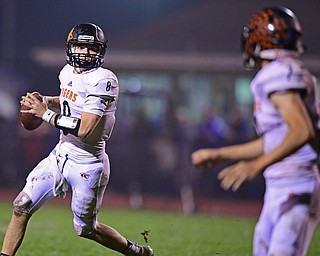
{"x": 30, "y": 121}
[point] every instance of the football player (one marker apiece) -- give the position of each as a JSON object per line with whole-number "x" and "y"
{"x": 88, "y": 99}
{"x": 287, "y": 121}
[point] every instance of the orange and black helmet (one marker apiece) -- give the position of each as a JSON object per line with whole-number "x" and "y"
{"x": 86, "y": 34}
{"x": 271, "y": 33}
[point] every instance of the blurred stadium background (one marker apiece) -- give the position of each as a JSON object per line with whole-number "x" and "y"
{"x": 181, "y": 79}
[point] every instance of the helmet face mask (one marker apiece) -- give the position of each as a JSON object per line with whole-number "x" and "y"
{"x": 270, "y": 34}
{"x": 87, "y": 35}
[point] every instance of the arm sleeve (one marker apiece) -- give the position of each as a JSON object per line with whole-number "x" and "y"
{"x": 285, "y": 78}
{"x": 100, "y": 96}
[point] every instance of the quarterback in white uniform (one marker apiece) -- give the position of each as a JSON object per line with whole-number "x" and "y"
{"x": 286, "y": 111}
{"x": 87, "y": 102}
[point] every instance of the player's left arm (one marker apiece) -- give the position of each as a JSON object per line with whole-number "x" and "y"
{"x": 80, "y": 127}
{"x": 97, "y": 102}
{"x": 300, "y": 132}
{"x": 88, "y": 124}
{"x": 99, "y": 98}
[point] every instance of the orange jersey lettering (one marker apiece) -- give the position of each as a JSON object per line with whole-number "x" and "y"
{"x": 69, "y": 94}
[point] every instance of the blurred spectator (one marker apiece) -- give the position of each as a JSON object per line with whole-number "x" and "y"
{"x": 213, "y": 131}
{"x": 183, "y": 173}
{"x": 34, "y": 145}
{"x": 11, "y": 86}
{"x": 241, "y": 127}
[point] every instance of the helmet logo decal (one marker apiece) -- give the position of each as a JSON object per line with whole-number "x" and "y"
{"x": 70, "y": 35}
{"x": 84, "y": 176}
{"x": 85, "y": 39}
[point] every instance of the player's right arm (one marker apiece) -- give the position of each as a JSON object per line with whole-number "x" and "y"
{"x": 80, "y": 127}
{"x": 207, "y": 157}
{"x": 53, "y": 101}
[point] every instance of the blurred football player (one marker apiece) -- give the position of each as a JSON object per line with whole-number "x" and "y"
{"x": 88, "y": 99}
{"x": 287, "y": 121}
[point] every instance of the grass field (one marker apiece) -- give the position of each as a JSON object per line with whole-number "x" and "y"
{"x": 51, "y": 233}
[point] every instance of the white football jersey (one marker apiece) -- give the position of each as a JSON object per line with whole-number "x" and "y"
{"x": 95, "y": 91}
{"x": 281, "y": 75}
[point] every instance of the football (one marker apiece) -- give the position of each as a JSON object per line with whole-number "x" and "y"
{"x": 30, "y": 121}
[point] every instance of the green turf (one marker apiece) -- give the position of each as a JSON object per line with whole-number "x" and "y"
{"x": 51, "y": 233}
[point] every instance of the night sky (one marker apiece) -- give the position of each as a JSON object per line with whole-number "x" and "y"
{"x": 46, "y": 22}
{"x": 27, "y": 24}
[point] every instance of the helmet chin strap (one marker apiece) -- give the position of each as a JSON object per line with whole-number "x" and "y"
{"x": 271, "y": 54}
